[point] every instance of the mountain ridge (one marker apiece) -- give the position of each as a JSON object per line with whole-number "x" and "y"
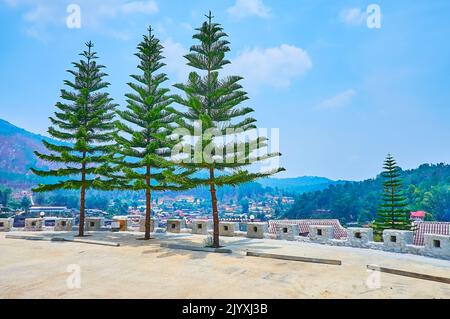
{"x": 16, "y": 157}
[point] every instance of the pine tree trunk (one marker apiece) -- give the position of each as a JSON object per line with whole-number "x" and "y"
{"x": 216, "y": 243}
{"x": 147, "y": 206}
{"x": 82, "y": 197}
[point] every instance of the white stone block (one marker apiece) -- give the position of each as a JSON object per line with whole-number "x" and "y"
{"x": 228, "y": 229}
{"x": 63, "y": 224}
{"x": 321, "y": 233}
{"x": 396, "y": 240}
{"x": 33, "y": 224}
{"x": 201, "y": 226}
{"x": 256, "y": 230}
{"x": 6, "y": 224}
{"x": 93, "y": 223}
{"x": 359, "y": 237}
{"x": 174, "y": 226}
{"x": 287, "y": 231}
{"x": 437, "y": 246}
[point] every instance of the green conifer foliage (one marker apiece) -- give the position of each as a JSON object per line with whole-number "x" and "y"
{"x": 214, "y": 101}
{"x": 393, "y": 212}
{"x": 84, "y": 124}
{"x": 146, "y": 123}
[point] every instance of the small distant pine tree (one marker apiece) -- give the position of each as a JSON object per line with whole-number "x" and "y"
{"x": 393, "y": 212}
{"x": 84, "y": 124}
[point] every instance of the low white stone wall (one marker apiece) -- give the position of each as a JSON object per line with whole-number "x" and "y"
{"x": 359, "y": 237}
{"x": 257, "y": 230}
{"x": 174, "y": 226}
{"x": 321, "y": 233}
{"x": 93, "y": 223}
{"x": 63, "y": 224}
{"x": 33, "y": 224}
{"x": 437, "y": 246}
{"x": 287, "y": 232}
{"x": 201, "y": 226}
{"x": 228, "y": 229}
{"x": 6, "y": 224}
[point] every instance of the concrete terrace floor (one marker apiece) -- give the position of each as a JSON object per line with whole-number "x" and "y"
{"x": 141, "y": 269}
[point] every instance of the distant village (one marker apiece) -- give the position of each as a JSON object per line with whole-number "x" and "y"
{"x": 184, "y": 207}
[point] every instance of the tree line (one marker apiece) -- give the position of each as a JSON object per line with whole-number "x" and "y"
{"x": 426, "y": 188}
{"x": 110, "y": 149}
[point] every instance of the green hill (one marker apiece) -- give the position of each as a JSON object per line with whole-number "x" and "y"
{"x": 16, "y": 155}
{"x": 427, "y": 188}
{"x": 298, "y": 184}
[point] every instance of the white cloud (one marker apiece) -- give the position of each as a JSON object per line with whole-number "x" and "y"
{"x": 245, "y": 8}
{"x": 353, "y": 16}
{"x": 337, "y": 101}
{"x": 187, "y": 26}
{"x": 271, "y": 67}
{"x": 175, "y": 62}
{"x": 144, "y": 7}
{"x": 40, "y": 15}
{"x": 274, "y": 67}
{"x": 114, "y": 8}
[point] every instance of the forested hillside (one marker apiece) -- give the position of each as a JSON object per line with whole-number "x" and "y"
{"x": 427, "y": 188}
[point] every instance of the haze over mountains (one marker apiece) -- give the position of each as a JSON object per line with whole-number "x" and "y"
{"x": 16, "y": 157}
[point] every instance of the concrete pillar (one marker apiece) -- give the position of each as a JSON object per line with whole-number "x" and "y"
{"x": 321, "y": 233}
{"x": 228, "y": 229}
{"x": 256, "y": 230}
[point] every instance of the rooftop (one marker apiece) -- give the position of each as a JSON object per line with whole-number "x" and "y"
{"x": 140, "y": 269}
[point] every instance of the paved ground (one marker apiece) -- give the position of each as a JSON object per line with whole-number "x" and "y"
{"x": 139, "y": 269}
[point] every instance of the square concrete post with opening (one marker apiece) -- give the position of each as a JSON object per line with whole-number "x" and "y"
{"x": 256, "y": 230}
{"x": 396, "y": 240}
{"x": 321, "y": 233}
{"x": 228, "y": 229}
{"x": 93, "y": 223}
{"x": 33, "y": 224}
{"x": 359, "y": 237}
{"x": 6, "y": 224}
{"x": 63, "y": 224}
{"x": 287, "y": 232}
{"x": 201, "y": 226}
{"x": 437, "y": 245}
{"x": 142, "y": 225}
{"x": 174, "y": 226}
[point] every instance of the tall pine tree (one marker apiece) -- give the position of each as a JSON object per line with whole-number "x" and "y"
{"x": 211, "y": 108}
{"x": 143, "y": 133}
{"x": 84, "y": 124}
{"x": 393, "y": 212}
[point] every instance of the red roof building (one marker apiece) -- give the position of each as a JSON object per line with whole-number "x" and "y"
{"x": 419, "y": 215}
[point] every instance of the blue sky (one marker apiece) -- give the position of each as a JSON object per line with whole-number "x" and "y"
{"x": 343, "y": 95}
